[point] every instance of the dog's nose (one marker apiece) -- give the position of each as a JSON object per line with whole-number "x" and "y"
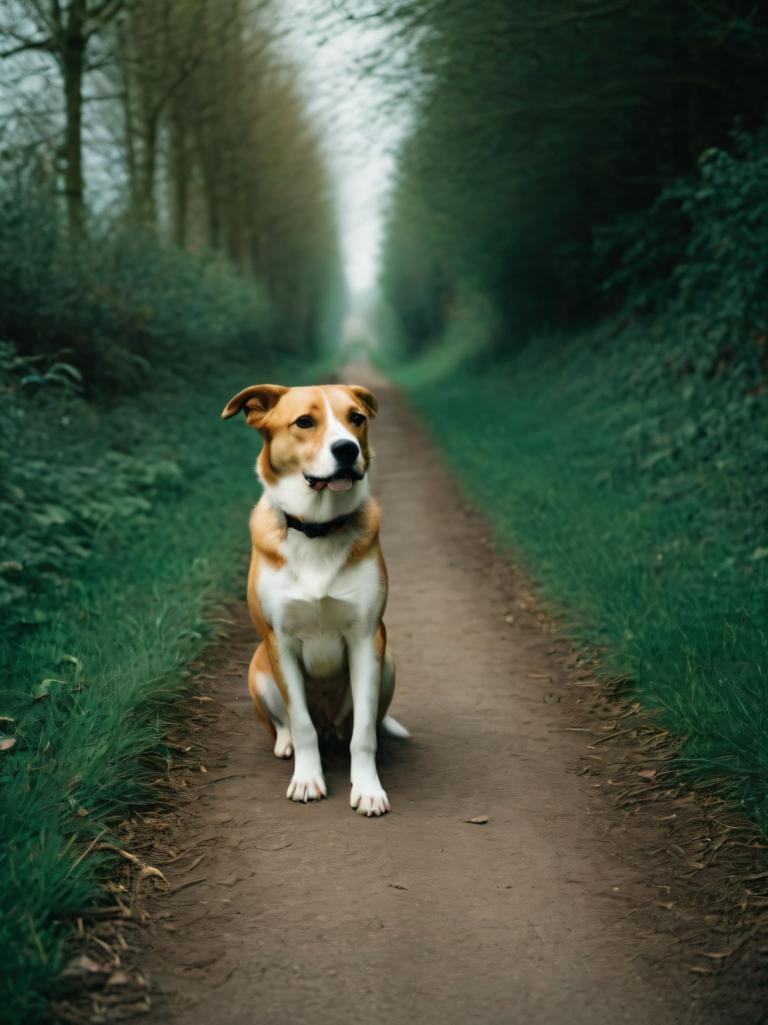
{"x": 346, "y": 452}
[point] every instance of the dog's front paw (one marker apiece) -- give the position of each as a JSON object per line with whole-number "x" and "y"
{"x": 307, "y": 786}
{"x": 369, "y": 799}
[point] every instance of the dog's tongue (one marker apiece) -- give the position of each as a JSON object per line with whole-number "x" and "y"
{"x": 340, "y": 484}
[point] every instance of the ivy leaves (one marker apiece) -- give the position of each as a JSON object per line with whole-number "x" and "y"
{"x": 61, "y": 485}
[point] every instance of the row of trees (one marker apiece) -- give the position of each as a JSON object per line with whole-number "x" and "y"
{"x": 535, "y": 127}
{"x": 184, "y": 117}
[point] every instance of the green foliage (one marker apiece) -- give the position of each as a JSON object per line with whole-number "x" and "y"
{"x": 643, "y": 514}
{"x": 126, "y": 307}
{"x": 704, "y": 301}
{"x": 66, "y": 478}
{"x": 138, "y": 521}
{"x": 469, "y": 334}
{"x": 534, "y": 127}
{"x": 698, "y": 252}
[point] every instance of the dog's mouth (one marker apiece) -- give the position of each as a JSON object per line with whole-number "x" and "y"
{"x": 342, "y": 480}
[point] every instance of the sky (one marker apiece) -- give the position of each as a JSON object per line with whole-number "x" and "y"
{"x": 360, "y": 139}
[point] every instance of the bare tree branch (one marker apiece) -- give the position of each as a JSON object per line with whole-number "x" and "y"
{"x": 29, "y": 44}
{"x": 103, "y": 13}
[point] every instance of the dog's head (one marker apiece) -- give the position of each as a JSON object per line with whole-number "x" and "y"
{"x": 315, "y": 443}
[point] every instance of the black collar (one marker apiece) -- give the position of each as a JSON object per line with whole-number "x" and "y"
{"x": 318, "y": 529}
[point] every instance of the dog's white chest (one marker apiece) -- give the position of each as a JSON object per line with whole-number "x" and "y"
{"x": 318, "y": 600}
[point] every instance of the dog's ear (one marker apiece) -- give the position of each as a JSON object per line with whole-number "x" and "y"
{"x": 256, "y": 401}
{"x": 367, "y": 398}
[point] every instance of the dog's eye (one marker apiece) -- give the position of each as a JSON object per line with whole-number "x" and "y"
{"x": 305, "y": 422}
{"x": 356, "y": 418}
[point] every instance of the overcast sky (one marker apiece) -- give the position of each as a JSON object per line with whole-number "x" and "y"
{"x": 360, "y": 139}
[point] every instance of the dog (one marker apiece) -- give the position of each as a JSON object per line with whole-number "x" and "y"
{"x": 317, "y": 585}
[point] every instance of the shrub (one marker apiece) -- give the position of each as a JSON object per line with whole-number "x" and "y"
{"x": 63, "y": 481}
{"x": 699, "y": 253}
{"x": 127, "y": 307}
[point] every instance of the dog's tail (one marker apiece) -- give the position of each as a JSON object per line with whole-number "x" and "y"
{"x": 392, "y": 728}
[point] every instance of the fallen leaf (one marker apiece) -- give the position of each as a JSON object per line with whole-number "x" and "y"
{"x": 648, "y": 774}
{"x": 73, "y": 660}
{"x": 44, "y": 690}
{"x": 119, "y": 978}
{"x": 83, "y": 965}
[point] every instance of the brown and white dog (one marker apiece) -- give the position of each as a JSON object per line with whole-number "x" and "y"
{"x": 317, "y": 584}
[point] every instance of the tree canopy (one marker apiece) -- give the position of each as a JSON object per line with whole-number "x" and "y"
{"x": 533, "y": 129}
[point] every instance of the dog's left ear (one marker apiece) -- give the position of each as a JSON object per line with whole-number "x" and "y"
{"x": 257, "y": 401}
{"x": 367, "y": 398}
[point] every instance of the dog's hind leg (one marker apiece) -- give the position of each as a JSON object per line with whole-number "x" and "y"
{"x": 387, "y": 685}
{"x": 268, "y": 702}
{"x": 388, "y": 725}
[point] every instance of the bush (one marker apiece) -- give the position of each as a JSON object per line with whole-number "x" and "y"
{"x": 63, "y": 482}
{"x": 699, "y": 254}
{"x": 126, "y": 307}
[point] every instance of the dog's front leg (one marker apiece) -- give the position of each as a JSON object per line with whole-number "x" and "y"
{"x": 368, "y": 795}
{"x": 308, "y": 783}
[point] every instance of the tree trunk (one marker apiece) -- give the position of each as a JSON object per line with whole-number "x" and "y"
{"x": 179, "y": 174}
{"x": 210, "y": 190}
{"x": 149, "y": 168}
{"x": 73, "y": 60}
{"x": 129, "y": 128}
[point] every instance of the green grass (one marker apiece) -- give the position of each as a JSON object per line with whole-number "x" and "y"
{"x": 641, "y": 512}
{"x": 91, "y": 683}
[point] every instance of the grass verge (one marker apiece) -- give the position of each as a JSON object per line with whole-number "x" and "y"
{"x": 643, "y": 518}
{"x": 91, "y": 680}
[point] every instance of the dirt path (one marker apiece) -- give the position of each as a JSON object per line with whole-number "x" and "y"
{"x": 310, "y": 914}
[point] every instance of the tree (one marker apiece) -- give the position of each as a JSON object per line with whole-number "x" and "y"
{"x": 65, "y": 29}
{"x": 533, "y": 129}
{"x": 214, "y": 148}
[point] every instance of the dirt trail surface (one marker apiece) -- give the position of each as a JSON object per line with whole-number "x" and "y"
{"x": 302, "y": 914}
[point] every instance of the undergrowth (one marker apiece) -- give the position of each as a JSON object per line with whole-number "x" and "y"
{"x": 121, "y": 524}
{"x": 127, "y": 307}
